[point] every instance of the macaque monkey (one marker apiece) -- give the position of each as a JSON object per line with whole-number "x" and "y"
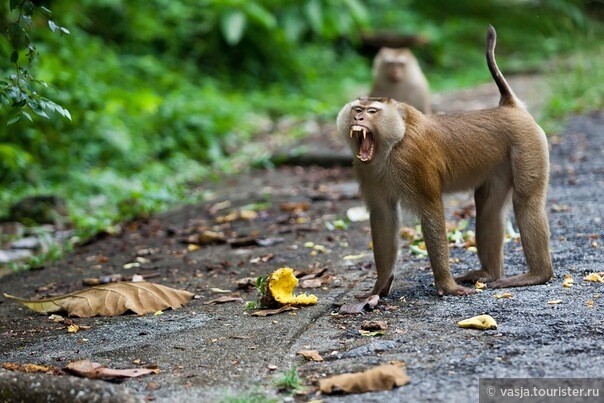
{"x": 397, "y": 75}
{"x": 408, "y": 159}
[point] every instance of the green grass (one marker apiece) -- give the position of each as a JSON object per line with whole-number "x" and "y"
{"x": 577, "y": 84}
{"x": 289, "y": 381}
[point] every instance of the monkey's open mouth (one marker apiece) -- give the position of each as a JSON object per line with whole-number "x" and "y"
{"x": 366, "y": 142}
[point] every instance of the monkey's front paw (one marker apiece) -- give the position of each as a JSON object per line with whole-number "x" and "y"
{"x": 457, "y": 290}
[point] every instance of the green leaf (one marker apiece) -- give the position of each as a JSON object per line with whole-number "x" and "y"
{"x": 14, "y": 4}
{"x": 63, "y": 112}
{"x": 14, "y": 119}
{"x": 40, "y": 112}
{"x": 27, "y": 115}
{"x": 315, "y": 15}
{"x": 53, "y": 27}
{"x": 46, "y": 12}
{"x": 358, "y": 11}
{"x": 416, "y": 250}
{"x": 260, "y": 15}
{"x": 233, "y": 26}
{"x": 14, "y": 56}
{"x": 293, "y": 25}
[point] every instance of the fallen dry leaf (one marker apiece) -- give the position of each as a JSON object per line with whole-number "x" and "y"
{"x": 246, "y": 283}
{"x": 31, "y": 368}
{"x": 223, "y": 300}
{"x": 310, "y": 273}
{"x": 254, "y": 241}
{"x": 93, "y": 370}
{"x": 480, "y": 322}
{"x": 357, "y": 307}
{"x": 56, "y": 318}
{"x": 372, "y": 325}
{"x": 560, "y": 207}
{"x": 354, "y": 257}
{"x": 270, "y": 312}
{"x": 262, "y": 259}
{"x": 247, "y": 215}
{"x": 294, "y": 207}
{"x": 568, "y": 281}
{"x": 206, "y": 237}
{"x": 312, "y": 355}
{"x": 111, "y": 300}
{"x": 220, "y": 291}
{"x": 383, "y": 377}
{"x": 316, "y": 282}
{"x": 311, "y": 283}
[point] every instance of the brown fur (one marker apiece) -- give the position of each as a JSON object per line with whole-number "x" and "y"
{"x": 397, "y": 75}
{"x": 500, "y": 153}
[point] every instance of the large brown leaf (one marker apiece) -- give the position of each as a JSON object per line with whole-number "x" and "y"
{"x": 111, "y": 300}
{"x": 93, "y": 370}
{"x": 382, "y": 377}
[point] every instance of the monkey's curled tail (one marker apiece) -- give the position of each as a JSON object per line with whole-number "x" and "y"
{"x": 508, "y": 98}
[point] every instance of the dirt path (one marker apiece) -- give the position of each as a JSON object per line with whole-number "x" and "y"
{"x": 207, "y": 352}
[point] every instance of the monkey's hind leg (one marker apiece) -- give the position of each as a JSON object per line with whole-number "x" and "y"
{"x": 491, "y": 208}
{"x": 529, "y": 210}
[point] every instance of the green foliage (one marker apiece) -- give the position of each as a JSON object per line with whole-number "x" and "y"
{"x": 18, "y": 90}
{"x": 289, "y": 381}
{"x": 577, "y": 84}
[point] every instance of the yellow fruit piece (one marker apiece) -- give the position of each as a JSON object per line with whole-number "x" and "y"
{"x": 595, "y": 277}
{"x": 479, "y": 285}
{"x": 281, "y": 285}
{"x": 480, "y": 322}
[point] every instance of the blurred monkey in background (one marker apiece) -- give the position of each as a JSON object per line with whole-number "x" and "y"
{"x": 397, "y": 75}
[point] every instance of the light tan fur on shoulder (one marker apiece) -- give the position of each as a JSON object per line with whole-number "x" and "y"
{"x": 407, "y": 158}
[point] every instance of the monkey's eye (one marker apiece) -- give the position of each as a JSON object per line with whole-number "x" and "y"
{"x": 372, "y": 110}
{"x": 357, "y": 109}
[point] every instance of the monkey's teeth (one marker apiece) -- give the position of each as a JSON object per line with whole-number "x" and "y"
{"x": 364, "y": 134}
{"x": 350, "y": 133}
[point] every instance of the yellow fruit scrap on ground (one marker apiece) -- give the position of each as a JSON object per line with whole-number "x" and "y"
{"x": 281, "y": 285}
{"x": 595, "y": 277}
{"x": 568, "y": 281}
{"x": 480, "y": 322}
